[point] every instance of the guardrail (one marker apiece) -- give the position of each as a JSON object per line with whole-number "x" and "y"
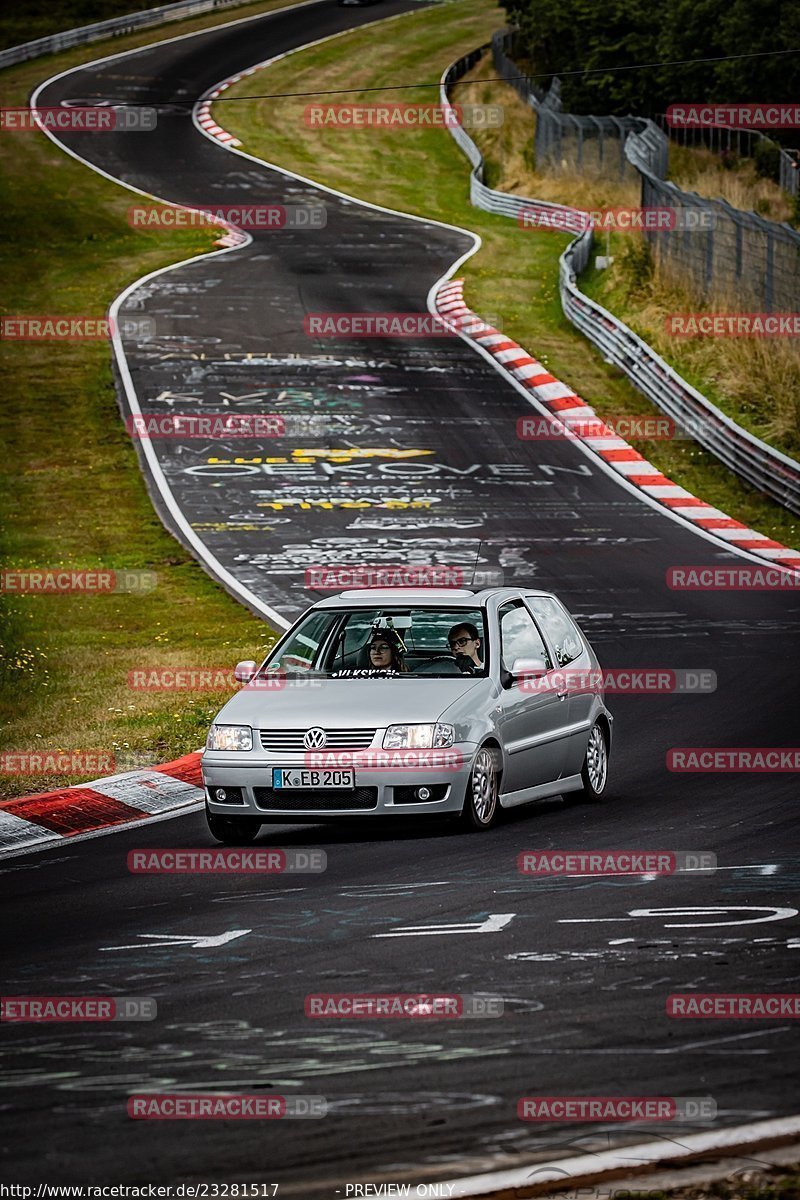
{"x": 113, "y": 27}
{"x": 768, "y": 469}
{"x": 729, "y": 252}
{"x": 502, "y": 203}
{"x": 761, "y": 465}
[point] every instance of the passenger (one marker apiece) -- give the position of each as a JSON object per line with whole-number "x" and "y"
{"x": 386, "y": 651}
{"x": 464, "y": 641}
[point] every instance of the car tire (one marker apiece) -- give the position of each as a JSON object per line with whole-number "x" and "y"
{"x": 594, "y": 772}
{"x": 482, "y": 801}
{"x": 232, "y": 831}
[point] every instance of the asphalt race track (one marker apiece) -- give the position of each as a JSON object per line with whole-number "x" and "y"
{"x": 583, "y": 965}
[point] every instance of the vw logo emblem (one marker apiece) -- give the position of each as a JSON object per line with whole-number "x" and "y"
{"x": 315, "y": 739}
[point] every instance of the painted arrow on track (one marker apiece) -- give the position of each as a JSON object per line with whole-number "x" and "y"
{"x": 198, "y": 941}
{"x": 492, "y": 924}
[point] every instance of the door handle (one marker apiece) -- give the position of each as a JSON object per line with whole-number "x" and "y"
{"x": 561, "y": 695}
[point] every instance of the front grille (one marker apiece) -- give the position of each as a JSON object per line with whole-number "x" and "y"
{"x": 290, "y": 741}
{"x": 308, "y": 801}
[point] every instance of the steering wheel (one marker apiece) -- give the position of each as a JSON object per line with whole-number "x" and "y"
{"x": 465, "y": 664}
{"x": 432, "y": 666}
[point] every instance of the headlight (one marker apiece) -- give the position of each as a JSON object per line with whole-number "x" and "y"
{"x": 229, "y": 737}
{"x": 418, "y": 737}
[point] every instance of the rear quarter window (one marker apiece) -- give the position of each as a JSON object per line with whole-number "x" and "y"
{"x": 559, "y": 627}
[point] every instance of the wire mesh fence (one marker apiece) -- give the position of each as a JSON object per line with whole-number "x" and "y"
{"x": 760, "y": 464}
{"x": 565, "y": 141}
{"x": 731, "y": 255}
{"x": 742, "y": 143}
{"x": 722, "y": 253}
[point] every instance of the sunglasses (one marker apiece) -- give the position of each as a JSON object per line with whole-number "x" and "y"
{"x": 462, "y": 641}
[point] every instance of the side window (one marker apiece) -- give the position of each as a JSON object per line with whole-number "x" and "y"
{"x": 519, "y": 637}
{"x": 300, "y": 651}
{"x": 559, "y": 628}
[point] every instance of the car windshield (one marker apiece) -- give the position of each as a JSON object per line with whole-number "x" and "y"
{"x": 383, "y": 643}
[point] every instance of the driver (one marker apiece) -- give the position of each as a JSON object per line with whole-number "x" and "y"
{"x": 465, "y": 643}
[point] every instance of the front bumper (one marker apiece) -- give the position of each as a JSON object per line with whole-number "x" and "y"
{"x": 378, "y": 790}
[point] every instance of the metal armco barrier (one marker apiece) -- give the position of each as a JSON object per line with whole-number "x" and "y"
{"x": 114, "y": 27}
{"x": 481, "y": 196}
{"x": 761, "y": 465}
{"x": 733, "y": 252}
{"x": 726, "y": 252}
{"x": 773, "y": 473}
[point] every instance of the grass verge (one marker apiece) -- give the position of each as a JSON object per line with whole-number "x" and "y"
{"x": 71, "y": 493}
{"x": 40, "y": 18}
{"x": 515, "y": 274}
{"x": 755, "y": 381}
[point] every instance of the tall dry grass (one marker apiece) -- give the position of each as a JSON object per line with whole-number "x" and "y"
{"x": 699, "y": 170}
{"x": 755, "y": 380}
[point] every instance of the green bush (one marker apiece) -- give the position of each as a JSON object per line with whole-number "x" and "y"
{"x": 767, "y": 159}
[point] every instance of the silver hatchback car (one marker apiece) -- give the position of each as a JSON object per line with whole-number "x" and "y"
{"x": 410, "y": 701}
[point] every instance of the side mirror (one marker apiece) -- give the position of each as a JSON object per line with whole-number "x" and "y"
{"x": 244, "y": 671}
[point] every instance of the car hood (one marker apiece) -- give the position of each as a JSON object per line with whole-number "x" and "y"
{"x": 345, "y": 703}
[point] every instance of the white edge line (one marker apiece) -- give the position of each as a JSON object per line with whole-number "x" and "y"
{"x": 49, "y": 842}
{"x": 538, "y": 405}
{"x": 160, "y": 480}
{"x": 587, "y": 452}
{"x": 207, "y": 559}
{"x": 567, "y": 1171}
{"x": 263, "y": 162}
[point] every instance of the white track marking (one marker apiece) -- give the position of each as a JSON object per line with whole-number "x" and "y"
{"x": 593, "y": 1166}
{"x": 204, "y": 554}
{"x": 492, "y": 924}
{"x": 616, "y": 475}
{"x": 776, "y": 914}
{"x": 162, "y": 941}
{"x": 206, "y": 557}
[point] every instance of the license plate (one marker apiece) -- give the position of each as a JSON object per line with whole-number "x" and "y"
{"x": 288, "y": 778}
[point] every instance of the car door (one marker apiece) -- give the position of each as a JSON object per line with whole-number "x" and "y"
{"x": 532, "y": 718}
{"x": 572, "y": 657}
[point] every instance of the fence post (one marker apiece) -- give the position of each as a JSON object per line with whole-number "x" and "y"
{"x": 769, "y": 280}
{"x": 709, "y": 273}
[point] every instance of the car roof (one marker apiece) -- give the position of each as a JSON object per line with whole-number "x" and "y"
{"x": 450, "y": 597}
